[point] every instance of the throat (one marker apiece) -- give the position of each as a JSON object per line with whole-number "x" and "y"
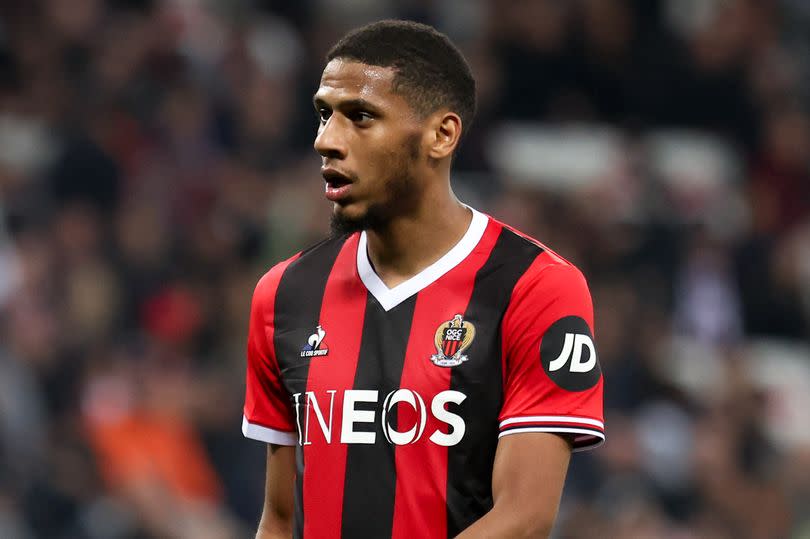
{"x": 393, "y": 275}
{"x": 399, "y": 255}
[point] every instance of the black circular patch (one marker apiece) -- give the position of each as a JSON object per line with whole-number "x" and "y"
{"x": 568, "y": 354}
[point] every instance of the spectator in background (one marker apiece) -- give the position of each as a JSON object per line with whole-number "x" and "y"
{"x": 155, "y": 156}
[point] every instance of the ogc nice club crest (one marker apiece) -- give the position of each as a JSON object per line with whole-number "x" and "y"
{"x": 451, "y": 339}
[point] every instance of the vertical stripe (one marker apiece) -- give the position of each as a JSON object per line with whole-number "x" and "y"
{"x": 370, "y": 483}
{"x": 469, "y": 463}
{"x": 342, "y": 313}
{"x": 297, "y": 306}
{"x": 419, "y": 509}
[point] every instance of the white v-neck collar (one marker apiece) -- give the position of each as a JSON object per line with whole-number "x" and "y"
{"x": 391, "y": 297}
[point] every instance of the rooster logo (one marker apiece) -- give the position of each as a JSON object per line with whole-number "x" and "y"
{"x": 313, "y": 347}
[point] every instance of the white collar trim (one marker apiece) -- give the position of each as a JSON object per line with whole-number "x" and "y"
{"x": 391, "y": 297}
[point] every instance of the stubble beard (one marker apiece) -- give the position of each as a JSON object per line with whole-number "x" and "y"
{"x": 402, "y": 197}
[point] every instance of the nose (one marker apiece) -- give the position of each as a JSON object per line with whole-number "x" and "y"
{"x": 330, "y": 141}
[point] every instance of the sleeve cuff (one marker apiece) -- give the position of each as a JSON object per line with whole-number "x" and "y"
{"x": 585, "y": 433}
{"x": 267, "y": 435}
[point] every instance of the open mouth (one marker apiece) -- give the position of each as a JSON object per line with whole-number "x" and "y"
{"x": 338, "y": 185}
{"x": 335, "y": 179}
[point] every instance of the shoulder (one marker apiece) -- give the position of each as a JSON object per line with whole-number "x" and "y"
{"x": 549, "y": 275}
{"x": 319, "y": 255}
{"x": 547, "y": 265}
{"x": 552, "y": 275}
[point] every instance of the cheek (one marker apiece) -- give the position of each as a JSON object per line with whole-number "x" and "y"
{"x": 383, "y": 156}
{"x": 375, "y": 162}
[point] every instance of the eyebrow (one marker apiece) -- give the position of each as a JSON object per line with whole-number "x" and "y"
{"x": 356, "y": 103}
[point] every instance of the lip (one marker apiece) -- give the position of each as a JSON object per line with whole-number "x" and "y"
{"x": 338, "y": 184}
{"x": 336, "y": 194}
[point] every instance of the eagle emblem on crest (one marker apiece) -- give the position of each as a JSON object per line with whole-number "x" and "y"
{"x": 452, "y": 338}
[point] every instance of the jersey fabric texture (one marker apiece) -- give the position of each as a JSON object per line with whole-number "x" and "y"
{"x": 396, "y": 398}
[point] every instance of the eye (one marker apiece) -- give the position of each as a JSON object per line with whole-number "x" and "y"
{"x": 323, "y": 114}
{"x": 360, "y": 117}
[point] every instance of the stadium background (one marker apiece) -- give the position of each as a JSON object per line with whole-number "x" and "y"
{"x": 155, "y": 159}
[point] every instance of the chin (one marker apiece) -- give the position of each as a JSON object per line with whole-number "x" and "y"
{"x": 348, "y": 221}
{"x": 344, "y": 222}
{"x": 348, "y": 212}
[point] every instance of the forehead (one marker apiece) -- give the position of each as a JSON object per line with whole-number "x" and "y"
{"x": 347, "y": 79}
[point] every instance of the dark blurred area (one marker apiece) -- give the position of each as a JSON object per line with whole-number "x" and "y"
{"x": 156, "y": 159}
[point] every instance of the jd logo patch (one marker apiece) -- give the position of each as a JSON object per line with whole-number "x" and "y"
{"x": 569, "y": 356}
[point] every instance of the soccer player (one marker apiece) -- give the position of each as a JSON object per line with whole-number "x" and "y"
{"x": 426, "y": 371}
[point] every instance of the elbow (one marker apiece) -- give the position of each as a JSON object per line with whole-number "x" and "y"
{"x": 543, "y": 531}
{"x": 538, "y": 527}
{"x": 274, "y": 528}
{"x": 527, "y": 520}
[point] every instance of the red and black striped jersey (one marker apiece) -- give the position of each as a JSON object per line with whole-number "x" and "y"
{"x": 396, "y": 397}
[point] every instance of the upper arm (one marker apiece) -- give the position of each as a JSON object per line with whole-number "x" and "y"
{"x": 552, "y": 378}
{"x": 527, "y": 481}
{"x": 277, "y": 513}
{"x": 268, "y": 414}
{"x": 528, "y": 478}
{"x": 552, "y": 397}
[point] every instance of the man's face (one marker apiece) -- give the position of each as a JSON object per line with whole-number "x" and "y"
{"x": 369, "y": 139}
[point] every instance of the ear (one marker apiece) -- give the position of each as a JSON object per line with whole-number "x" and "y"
{"x": 445, "y": 134}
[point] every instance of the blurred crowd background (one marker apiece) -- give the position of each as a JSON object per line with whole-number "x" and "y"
{"x": 156, "y": 158}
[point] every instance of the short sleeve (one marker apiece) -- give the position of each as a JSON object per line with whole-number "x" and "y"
{"x": 552, "y": 378}
{"x": 268, "y": 415}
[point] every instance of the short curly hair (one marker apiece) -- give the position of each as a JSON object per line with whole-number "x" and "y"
{"x": 430, "y": 70}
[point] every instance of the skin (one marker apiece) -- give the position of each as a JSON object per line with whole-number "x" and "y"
{"x": 370, "y": 133}
{"x": 277, "y": 516}
{"x": 398, "y": 162}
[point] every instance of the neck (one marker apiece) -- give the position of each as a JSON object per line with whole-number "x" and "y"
{"x": 410, "y": 243}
